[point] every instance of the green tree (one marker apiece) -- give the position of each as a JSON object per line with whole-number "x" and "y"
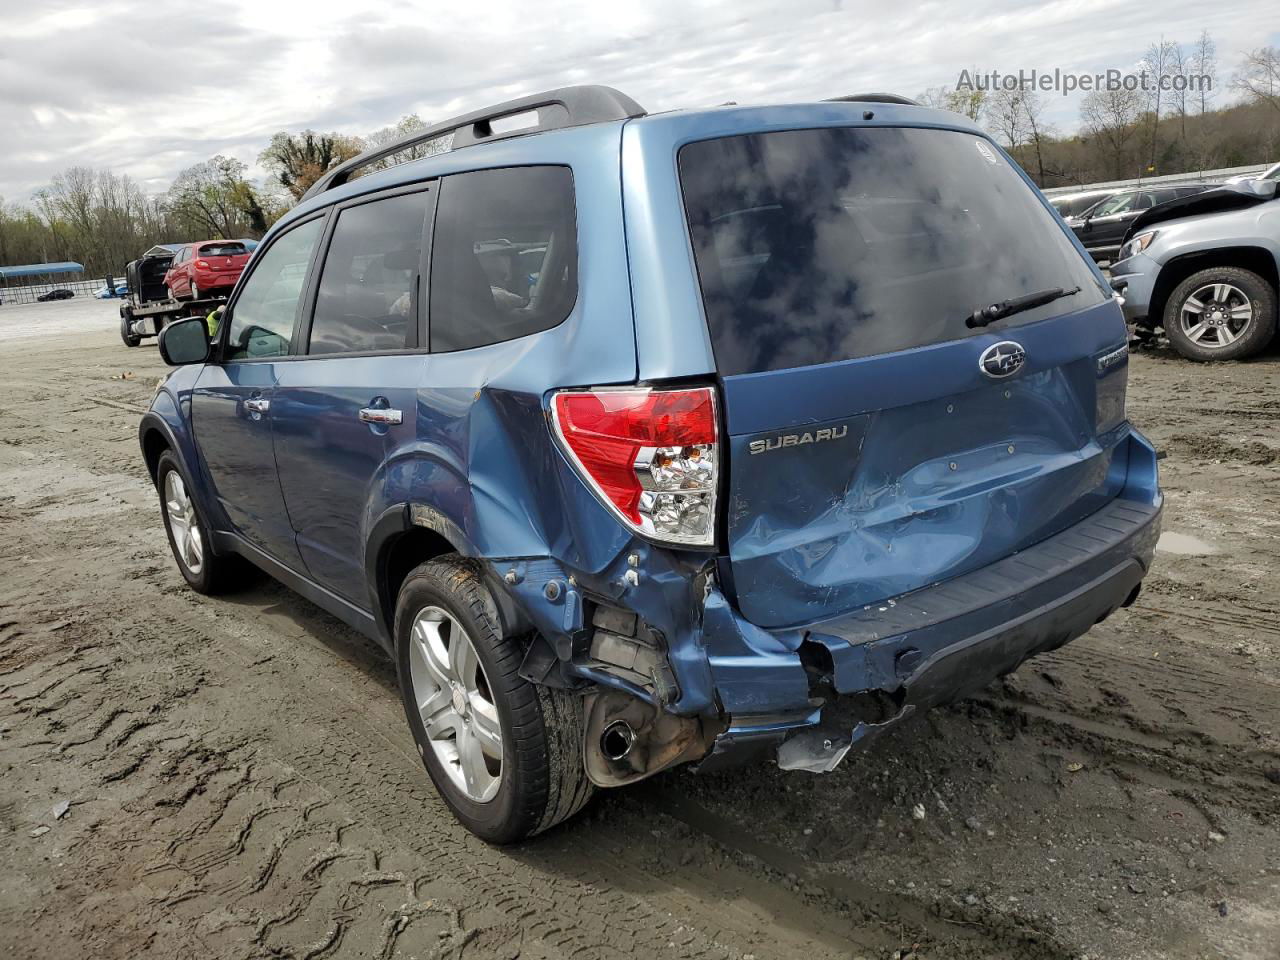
{"x": 297, "y": 160}
{"x": 215, "y": 199}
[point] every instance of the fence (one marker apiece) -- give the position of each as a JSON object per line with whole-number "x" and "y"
{"x": 31, "y": 293}
{"x": 1193, "y": 176}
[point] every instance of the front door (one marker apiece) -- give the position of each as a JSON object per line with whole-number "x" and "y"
{"x": 1107, "y": 228}
{"x": 342, "y": 410}
{"x": 231, "y": 406}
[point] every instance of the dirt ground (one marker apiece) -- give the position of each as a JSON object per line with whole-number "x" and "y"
{"x": 183, "y": 777}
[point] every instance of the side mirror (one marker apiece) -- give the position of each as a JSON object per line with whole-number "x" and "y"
{"x": 185, "y": 341}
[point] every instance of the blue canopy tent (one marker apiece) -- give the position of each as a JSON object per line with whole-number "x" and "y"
{"x": 40, "y": 270}
{"x": 25, "y": 282}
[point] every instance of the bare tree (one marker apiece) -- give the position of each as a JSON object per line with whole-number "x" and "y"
{"x": 1204, "y": 66}
{"x": 1157, "y": 65}
{"x": 1111, "y": 118}
{"x": 1006, "y": 117}
{"x": 409, "y": 123}
{"x": 1259, "y": 76}
{"x": 1033, "y": 105}
{"x": 1178, "y": 93}
{"x": 936, "y": 97}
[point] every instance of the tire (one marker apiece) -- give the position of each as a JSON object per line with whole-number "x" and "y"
{"x": 540, "y": 779}
{"x": 1239, "y": 322}
{"x": 130, "y": 338}
{"x": 195, "y": 291}
{"x": 169, "y": 292}
{"x": 212, "y": 574}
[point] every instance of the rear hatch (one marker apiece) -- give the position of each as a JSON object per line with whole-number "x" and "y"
{"x": 877, "y": 443}
{"x": 224, "y": 257}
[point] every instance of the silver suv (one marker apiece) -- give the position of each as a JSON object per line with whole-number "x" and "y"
{"x": 1205, "y": 269}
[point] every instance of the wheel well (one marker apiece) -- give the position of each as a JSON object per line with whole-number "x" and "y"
{"x": 153, "y": 445}
{"x": 399, "y": 557}
{"x": 1257, "y": 259}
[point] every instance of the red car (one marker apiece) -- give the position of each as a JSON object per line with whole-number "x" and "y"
{"x": 207, "y": 269}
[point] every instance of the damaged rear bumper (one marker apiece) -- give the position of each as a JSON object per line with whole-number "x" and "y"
{"x": 655, "y": 643}
{"x": 931, "y": 646}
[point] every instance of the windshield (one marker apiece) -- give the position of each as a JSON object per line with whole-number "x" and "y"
{"x": 814, "y": 246}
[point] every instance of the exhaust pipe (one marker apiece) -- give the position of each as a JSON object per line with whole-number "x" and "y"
{"x": 617, "y": 740}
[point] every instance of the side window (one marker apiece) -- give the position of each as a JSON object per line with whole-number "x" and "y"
{"x": 263, "y": 316}
{"x": 368, "y": 288}
{"x": 504, "y": 257}
{"x": 1120, "y": 203}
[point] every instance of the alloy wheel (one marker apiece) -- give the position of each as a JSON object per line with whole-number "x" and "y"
{"x": 183, "y": 526}
{"x": 455, "y": 703}
{"x": 1216, "y": 315}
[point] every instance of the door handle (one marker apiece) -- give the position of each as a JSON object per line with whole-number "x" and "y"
{"x": 257, "y": 406}
{"x": 379, "y": 415}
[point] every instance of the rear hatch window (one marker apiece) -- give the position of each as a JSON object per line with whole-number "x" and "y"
{"x": 871, "y": 452}
{"x": 822, "y": 245}
{"x": 223, "y": 250}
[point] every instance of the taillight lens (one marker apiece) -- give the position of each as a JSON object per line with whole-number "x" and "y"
{"x": 202, "y": 263}
{"x": 651, "y": 455}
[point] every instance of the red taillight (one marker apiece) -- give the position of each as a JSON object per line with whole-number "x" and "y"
{"x": 650, "y": 454}
{"x": 203, "y": 263}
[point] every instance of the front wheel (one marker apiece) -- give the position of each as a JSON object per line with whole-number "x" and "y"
{"x": 1222, "y": 313}
{"x": 130, "y": 338}
{"x": 504, "y": 754}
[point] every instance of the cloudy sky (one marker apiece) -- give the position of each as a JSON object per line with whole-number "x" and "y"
{"x": 148, "y": 88}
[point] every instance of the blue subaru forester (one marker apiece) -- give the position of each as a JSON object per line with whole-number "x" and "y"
{"x": 640, "y": 440}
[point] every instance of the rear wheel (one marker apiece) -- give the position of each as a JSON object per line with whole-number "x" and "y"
{"x": 195, "y": 291}
{"x": 505, "y": 754}
{"x": 189, "y": 534}
{"x": 1222, "y": 313}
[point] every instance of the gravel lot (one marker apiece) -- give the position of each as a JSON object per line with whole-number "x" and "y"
{"x": 229, "y": 778}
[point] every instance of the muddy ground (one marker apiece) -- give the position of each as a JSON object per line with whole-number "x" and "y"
{"x": 185, "y": 777}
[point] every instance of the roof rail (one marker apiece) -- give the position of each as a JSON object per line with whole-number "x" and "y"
{"x": 874, "y": 98}
{"x": 566, "y": 107}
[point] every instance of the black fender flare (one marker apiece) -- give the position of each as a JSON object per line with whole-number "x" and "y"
{"x": 397, "y": 520}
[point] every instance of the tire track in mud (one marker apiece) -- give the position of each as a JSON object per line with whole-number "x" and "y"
{"x": 87, "y": 716}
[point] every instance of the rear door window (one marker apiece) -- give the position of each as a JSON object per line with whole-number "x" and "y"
{"x": 504, "y": 255}
{"x": 821, "y": 245}
{"x": 368, "y": 295}
{"x": 263, "y": 316}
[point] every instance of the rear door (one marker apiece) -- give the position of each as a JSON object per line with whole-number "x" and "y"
{"x": 232, "y": 406}
{"x": 348, "y": 400}
{"x": 878, "y": 444}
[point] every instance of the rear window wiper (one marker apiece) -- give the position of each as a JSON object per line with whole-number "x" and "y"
{"x": 1007, "y": 308}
